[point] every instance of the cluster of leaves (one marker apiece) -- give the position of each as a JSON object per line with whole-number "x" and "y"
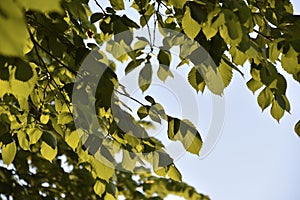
{"x": 42, "y": 48}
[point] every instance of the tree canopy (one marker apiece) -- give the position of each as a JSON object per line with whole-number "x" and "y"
{"x": 55, "y": 78}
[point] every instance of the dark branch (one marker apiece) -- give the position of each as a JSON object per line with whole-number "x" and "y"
{"x": 269, "y": 37}
{"x": 100, "y": 6}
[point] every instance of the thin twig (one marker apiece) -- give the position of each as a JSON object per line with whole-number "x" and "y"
{"x": 126, "y": 95}
{"x": 155, "y": 22}
{"x": 42, "y": 63}
{"x": 100, "y": 6}
{"x": 148, "y": 28}
{"x": 52, "y": 56}
{"x": 271, "y": 38}
{"x": 162, "y": 3}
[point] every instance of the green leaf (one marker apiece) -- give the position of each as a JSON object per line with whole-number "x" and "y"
{"x": 163, "y": 73}
{"x": 264, "y": 98}
{"x": 128, "y": 22}
{"x": 24, "y": 71}
{"x": 150, "y": 99}
{"x": 190, "y": 27}
{"x": 276, "y": 110}
{"x": 198, "y": 12}
{"x": 174, "y": 174}
{"x": 49, "y": 139}
{"x": 9, "y": 152}
{"x": 254, "y": 85}
{"x": 43, "y": 6}
{"x": 34, "y": 135}
{"x": 289, "y": 61}
{"x": 99, "y": 187}
{"x": 48, "y": 152}
{"x": 133, "y": 64}
{"x": 164, "y": 57}
{"x": 22, "y": 89}
{"x": 96, "y": 17}
{"x": 118, "y": 51}
{"x": 158, "y": 108}
{"x": 64, "y": 118}
{"x": 13, "y": 34}
{"x": 44, "y": 118}
{"x": 177, "y": 3}
{"x": 196, "y": 80}
{"x": 145, "y": 77}
{"x": 117, "y": 4}
{"x": 214, "y": 20}
{"x": 185, "y": 132}
{"x": 143, "y": 111}
{"x": 154, "y": 115}
{"x": 23, "y": 140}
{"x": 129, "y": 160}
{"x": 297, "y": 128}
{"x": 72, "y": 139}
{"x": 231, "y": 31}
{"x": 225, "y": 72}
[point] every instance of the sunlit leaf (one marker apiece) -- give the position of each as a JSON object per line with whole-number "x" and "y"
{"x": 185, "y": 132}
{"x": 13, "y": 37}
{"x": 9, "y": 152}
{"x": 48, "y": 152}
{"x": 264, "y": 98}
{"x": 174, "y": 174}
{"x": 276, "y": 111}
{"x": 190, "y": 26}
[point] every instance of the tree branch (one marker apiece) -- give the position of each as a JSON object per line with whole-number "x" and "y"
{"x": 269, "y": 37}
{"x": 100, "y": 6}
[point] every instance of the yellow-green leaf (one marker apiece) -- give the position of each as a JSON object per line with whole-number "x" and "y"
{"x": 117, "y": 4}
{"x": 174, "y": 174}
{"x": 145, "y": 77}
{"x": 72, "y": 139}
{"x": 99, "y": 188}
{"x": 264, "y": 98}
{"x": 42, "y": 5}
{"x": 276, "y": 111}
{"x": 45, "y": 118}
{"x": 9, "y": 152}
{"x": 297, "y": 128}
{"x": 13, "y": 32}
{"x": 23, "y": 140}
{"x": 177, "y": 3}
{"x": 47, "y": 151}
{"x": 189, "y": 25}
{"x": 254, "y": 85}
{"x": 34, "y": 135}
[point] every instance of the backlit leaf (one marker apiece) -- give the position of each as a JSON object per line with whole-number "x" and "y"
{"x": 190, "y": 26}
{"x": 43, "y": 6}
{"x": 48, "y": 152}
{"x": 185, "y": 132}
{"x": 9, "y": 152}
{"x": 117, "y": 4}
{"x": 99, "y": 187}
{"x": 264, "y": 98}
{"x": 145, "y": 77}
{"x": 14, "y": 34}
{"x": 174, "y": 174}
{"x": 276, "y": 111}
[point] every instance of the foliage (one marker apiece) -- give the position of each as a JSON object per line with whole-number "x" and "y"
{"x": 42, "y": 48}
